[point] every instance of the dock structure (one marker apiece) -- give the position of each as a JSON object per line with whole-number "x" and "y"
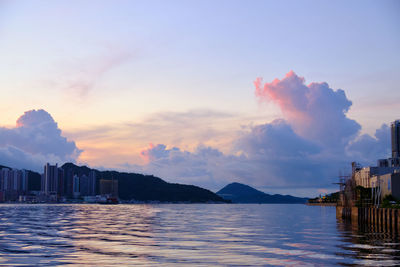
{"x": 363, "y": 206}
{"x": 379, "y": 219}
{"x": 363, "y": 192}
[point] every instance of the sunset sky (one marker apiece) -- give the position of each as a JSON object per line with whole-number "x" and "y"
{"x": 280, "y": 95}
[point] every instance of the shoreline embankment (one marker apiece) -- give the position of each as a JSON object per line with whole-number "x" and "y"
{"x": 322, "y": 204}
{"x": 384, "y": 219}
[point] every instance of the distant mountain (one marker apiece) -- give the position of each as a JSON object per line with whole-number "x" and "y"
{"x": 241, "y": 193}
{"x": 148, "y": 188}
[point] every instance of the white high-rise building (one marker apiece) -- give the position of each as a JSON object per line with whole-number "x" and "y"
{"x": 75, "y": 186}
{"x": 50, "y": 179}
{"x": 395, "y": 134}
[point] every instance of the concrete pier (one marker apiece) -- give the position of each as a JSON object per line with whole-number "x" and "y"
{"x": 381, "y": 219}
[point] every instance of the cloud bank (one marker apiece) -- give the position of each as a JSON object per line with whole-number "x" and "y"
{"x": 367, "y": 149}
{"x": 35, "y": 140}
{"x": 205, "y": 166}
{"x": 270, "y": 156}
{"x": 307, "y": 148}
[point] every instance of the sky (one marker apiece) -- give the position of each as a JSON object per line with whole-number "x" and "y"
{"x": 280, "y": 95}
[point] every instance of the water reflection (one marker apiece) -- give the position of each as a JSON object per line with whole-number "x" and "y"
{"x": 200, "y": 235}
{"x": 368, "y": 244}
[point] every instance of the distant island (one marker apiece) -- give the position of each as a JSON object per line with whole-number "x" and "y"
{"x": 241, "y": 193}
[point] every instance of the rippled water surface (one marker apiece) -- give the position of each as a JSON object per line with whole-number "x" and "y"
{"x": 180, "y": 234}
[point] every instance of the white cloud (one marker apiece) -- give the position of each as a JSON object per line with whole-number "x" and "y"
{"x": 367, "y": 149}
{"x": 35, "y": 140}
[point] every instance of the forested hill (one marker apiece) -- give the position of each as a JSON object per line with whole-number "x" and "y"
{"x": 241, "y": 193}
{"x": 147, "y": 187}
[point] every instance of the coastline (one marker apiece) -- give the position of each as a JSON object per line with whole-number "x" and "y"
{"x": 322, "y": 204}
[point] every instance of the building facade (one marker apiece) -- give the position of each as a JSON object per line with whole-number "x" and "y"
{"x": 52, "y": 182}
{"x": 364, "y": 175}
{"x": 53, "y": 185}
{"x": 49, "y": 179}
{"x": 109, "y": 187}
{"x": 394, "y": 161}
{"x": 385, "y": 176}
{"x": 76, "y": 186}
{"x": 389, "y": 184}
{"x": 395, "y": 134}
{"x": 92, "y": 184}
{"x": 13, "y": 183}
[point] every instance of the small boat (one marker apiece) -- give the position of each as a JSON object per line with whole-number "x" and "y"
{"x": 108, "y": 200}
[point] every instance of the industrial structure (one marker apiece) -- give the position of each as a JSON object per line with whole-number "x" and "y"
{"x": 381, "y": 180}
{"x": 365, "y": 195}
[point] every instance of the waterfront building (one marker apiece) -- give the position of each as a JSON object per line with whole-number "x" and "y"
{"x": 13, "y": 182}
{"x": 88, "y": 184}
{"x": 4, "y": 179}
{"x": 389, "y": 162}
{"x": 385, "y": 177}
{"x": 24, "y": 181}
{"x": 4, "y": 184}
{"x": 60, "y": 182}
{"x": 394, "y": 161}
{"x": 364, "y": 175}
{"x": 75, "y": 186}
{"x": 69, "y": 183}
{"x": 16, "y": 178}
{"x": 389, "y": 184}
{"x": 395, "y": 134}
{"x": 92, "y": 183}
{"x": 79, "y": 185}
{"x": 109, "y": 187}
{"x": 50, "y": 180}
{"x": 84, "y": 185}
{"x": 1, "y": 180}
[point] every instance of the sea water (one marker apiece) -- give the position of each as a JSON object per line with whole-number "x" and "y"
{"x": 187, "y": 235}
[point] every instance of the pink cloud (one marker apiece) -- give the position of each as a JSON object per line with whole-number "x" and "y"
{"x": 315, "y": 111}
{"x": 146, "y": 153}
